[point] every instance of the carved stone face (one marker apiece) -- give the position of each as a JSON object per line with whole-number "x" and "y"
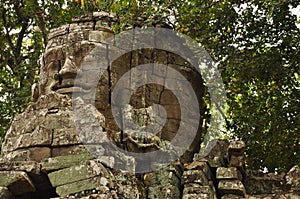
{"x": 62, "y": 62}
{"x": 60, "y": 66}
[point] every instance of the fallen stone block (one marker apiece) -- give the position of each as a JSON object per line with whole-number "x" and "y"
{"x": 161, "y": 177}
{"x": 234, "y": 187}
{"x": 236, "y": 148}
{"x": 293, "y": 178}
{"x": 17, "y": 182}
{"x": 79, "y": 186}
{"x": 202, "y": 165}
{"x": 167, "y": 191}
{"x": 258, "y": 182}
{"x": 199, "y": 190}
{"x": 61, "y": 162}
{"x": 238, "y": 162}
{"x": 72, "y": 174}
{"x": 194, "y": 176}
{"x": 231, "y": 173}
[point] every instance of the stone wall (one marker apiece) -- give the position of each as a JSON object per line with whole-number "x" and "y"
{"x": 221, "y": 174}
{"x": 43, "y": 156}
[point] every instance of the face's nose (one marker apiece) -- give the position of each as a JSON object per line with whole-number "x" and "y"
{"x": 69, "y": 69}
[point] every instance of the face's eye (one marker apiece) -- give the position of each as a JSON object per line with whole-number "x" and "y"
{"x": 53, "y": 67}
{"x": 82, "y": 51}
{"x": 54, "y": 54}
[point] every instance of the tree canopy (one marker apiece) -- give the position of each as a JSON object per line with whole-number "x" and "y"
{"x": 255, "y": 43}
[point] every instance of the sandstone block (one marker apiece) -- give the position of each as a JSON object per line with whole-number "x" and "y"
{"x": 202, "y": 165}
{"x": 63, "y": 137}
{"x": 204, "y": 191}
{"x": 39, "y": 137}
{"x": 234, "y": 187}
{"x": 194, "y": 176}
{"x": 161, "y": 178}
{"x": 29, "y": 154}
{"x": 27, "y": 166}
{"x": 293, "y": 178}
{"x": 166, "y": 191}
{"x": 68, "y": 150}
{"x": 78, "y": 186}
{"x": 99, "y": 36}
{"x": 263, "y": 183}
{"x": 17, "y": 182}
{"x": 238, "y": 162}
{"x": 83, "y": 171}
{"x": 236, "y": 148}
{"x": 61, "y": 162}
{"x": 231, "y": 173}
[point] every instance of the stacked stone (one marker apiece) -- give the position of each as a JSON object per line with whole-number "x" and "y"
{"x": 270, "y": 185}
{"x": 230, "y": 178}
{"x": 197, "y": 181}
{"x": 199, "y": 177}
{"x": 73, "y": 175}
{"x": 164, "y": 183}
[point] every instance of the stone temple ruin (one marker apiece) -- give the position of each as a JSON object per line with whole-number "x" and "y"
{"x": 44, "y": 156}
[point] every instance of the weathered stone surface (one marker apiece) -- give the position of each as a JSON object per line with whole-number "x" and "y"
{"x": 236, "y": 148}
{"x": 161, "y": 178}
{"x": 82, "y": 171}
{"x": 167, "y": 191}
{"x": 61, "y": 162}
{"x": 78, "y": 186}
{"x": 197, "y": 190}
{"x": 65, "y": 137}
{"x": 216, "y": 153}
{"x": 17, "y": 182}
{"x": 234, "y": 187}
{"x": 257, "y": 182}
{"x": 231, "y": 173}
{"x": 97, "y": 36}
{"x": 27, "y": 166}
{"x": 293, "y": 178}
{"x": 202, "y": 165}
{"x": 30, "y": 154}
{"x": 238, "y": 162}
{"x": 194, "y": 176}
{"x": 68, "y": 150}
{"x": 279, "y": 196}
{"x": 41, "y": 136}
{"x": 5, "y": 193}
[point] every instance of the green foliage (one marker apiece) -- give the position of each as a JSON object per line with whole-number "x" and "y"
{"x": 256, "y": 44}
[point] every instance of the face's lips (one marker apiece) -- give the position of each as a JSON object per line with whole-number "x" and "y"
{"x": 67, "y": 86}
{"x": 72, "y": 90}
